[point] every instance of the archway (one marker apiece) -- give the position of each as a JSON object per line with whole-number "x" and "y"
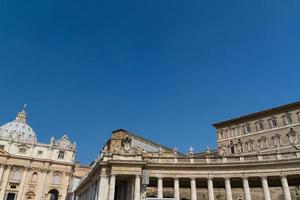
{"x": 53, "y": 194}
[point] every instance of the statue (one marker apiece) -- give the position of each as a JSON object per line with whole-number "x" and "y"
{"x": 160, "y": 151}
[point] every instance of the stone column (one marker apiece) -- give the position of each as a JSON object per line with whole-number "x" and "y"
{"x": 23, "y": 183}
{"x": 1, "y": 171}
{"x": 246, "y": 189}
{"x": 137, "y": 187}
{"x": 176, "y": 189}
{"x": 265, "y": 186}
{"x": 228, "y": 189}
{"x": 285, "y": 188}
{"x": 112, "y": 185}
{"x": 103, "y": 188}
{"x": 210, "y": 186}
{"x": 42, "y": 179}
{"x": 66, "y": 179}
{"x": 5, "y": 181}
{"x": 193, "y": 189}
{"x": 160, "y": 188}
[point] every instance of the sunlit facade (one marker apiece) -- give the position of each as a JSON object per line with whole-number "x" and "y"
{"x": 257, "y": 158}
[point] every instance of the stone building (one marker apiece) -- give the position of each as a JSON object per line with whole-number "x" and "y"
{"x": 30, "y": 170}
{"x": 267, "y": 131}
{"x": 133, "y": 168}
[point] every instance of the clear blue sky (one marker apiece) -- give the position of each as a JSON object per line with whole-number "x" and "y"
{"x": 164, "y": 69}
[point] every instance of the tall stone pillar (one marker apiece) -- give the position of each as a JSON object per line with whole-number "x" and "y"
{"x": 42, "y": 179}
{"x": 176, "y": 189}
{"x": 228, "y": 189}
{"x": 160, "y": 188}
{"x": 23, "y": 183}
{"x": 103, "y": 187}
{"x": 265, "y": 186}
{"x": 2, "y": 166}
{"x": 210, "y": 186}
{"x": 112, "y": 185}
{"x": 66, "y": 179}
{"x": 285, "y": 188}
{"x": 5, "y": 181}
{"x": 137, "y": 187}
{"x": 193, "y": 189}
{"x": 246, "y": 189}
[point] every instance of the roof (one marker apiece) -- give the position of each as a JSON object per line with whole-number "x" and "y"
{"x": 260, "y": 113}
{"x": 147, "y": 140}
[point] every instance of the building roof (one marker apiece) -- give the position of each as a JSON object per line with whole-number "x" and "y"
{"x": 147, "y": 140}
{"x": 258, "y": 114}
{"x": 18, "y": 128}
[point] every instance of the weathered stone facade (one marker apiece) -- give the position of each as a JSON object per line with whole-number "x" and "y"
{"x": 30, "y": 170}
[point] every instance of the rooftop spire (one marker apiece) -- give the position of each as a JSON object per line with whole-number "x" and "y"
{"x": 21, "y": 117}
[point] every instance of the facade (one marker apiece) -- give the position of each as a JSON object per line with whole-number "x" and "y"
{"x": 267, "y": 131}
{"x": 30, "y": 170}
{"x": 133, "y": 168}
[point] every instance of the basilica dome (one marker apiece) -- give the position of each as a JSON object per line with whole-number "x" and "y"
{"x": 18, "y": 129}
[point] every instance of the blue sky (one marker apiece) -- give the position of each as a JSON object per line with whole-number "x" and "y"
{"x": 164, "y": 69}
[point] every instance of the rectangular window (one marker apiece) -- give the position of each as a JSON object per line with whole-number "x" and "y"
{"x": 40, "y": 153}
{"x": 276, "y": 140}
{"x": 250, "y": 146}
{"x": 2, "y": 147}
{"x": 273, "y": 123}
{"x": 288, "y": 119}
{"x": 259, "y": 126}
{"x": 61, "y": 154}
{"x": 221, "y": 135}
{"x": 247, "y": 129}
{"x": 22, "y": 150}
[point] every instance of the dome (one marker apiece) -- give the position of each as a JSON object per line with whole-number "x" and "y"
{"x": 18, "y": 129}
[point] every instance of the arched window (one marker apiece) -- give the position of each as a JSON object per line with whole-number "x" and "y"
{"x": 34, "y": 177}
{"x": 56, "y": 179}
{"x": 53, "y": 194}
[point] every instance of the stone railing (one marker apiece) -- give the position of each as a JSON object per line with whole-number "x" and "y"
{"x": 177, "y": 159}
{"x": 228, "y": 159}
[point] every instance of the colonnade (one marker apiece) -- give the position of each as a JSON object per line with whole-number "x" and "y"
{"x": 210, "y": 188}
{"x": 107, "y": 188}
{"x": 112, "y": 186}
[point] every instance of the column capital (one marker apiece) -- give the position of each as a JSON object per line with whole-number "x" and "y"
{"x": 137, "y": 176}
{"x": 283, "y": 176}
{"x": 263, "y": 178}
{"x": 26, "y": 168}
